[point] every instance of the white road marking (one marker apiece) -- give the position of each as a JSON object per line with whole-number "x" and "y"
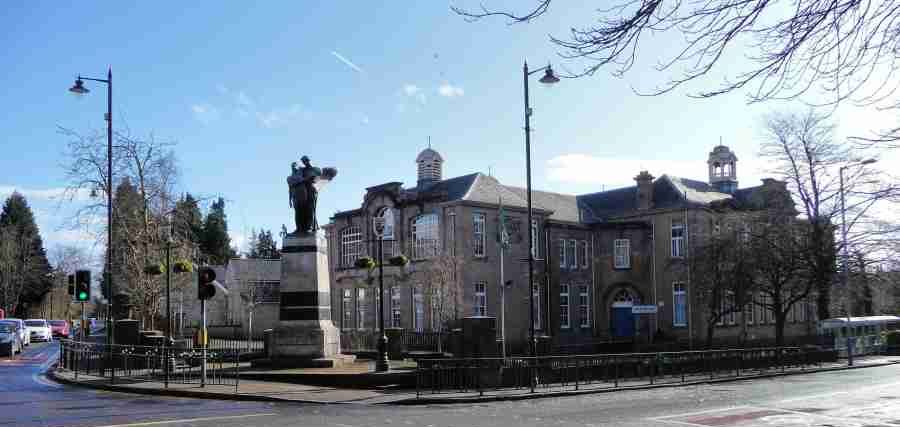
{"x": 855, "y": 390}
{"x": 689, "y": 414}
{"x": 189, "y": 420}
{"x": 41, "y": 379}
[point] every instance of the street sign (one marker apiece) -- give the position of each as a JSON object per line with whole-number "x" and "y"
{"x": 643, "y": 309}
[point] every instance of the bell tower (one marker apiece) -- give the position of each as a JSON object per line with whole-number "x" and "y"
{"x": 723, "y": 169}
{"x": 430, "y": 167}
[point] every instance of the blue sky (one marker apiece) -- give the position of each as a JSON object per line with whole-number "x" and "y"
{"x": 359, "y": 86}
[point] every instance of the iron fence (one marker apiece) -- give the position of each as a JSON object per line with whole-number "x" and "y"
{"x": 135, "y": 363}
{"x": 362, "y": 341}
{"x": 479, "y": 375}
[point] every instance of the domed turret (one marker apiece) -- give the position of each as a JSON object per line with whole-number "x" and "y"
{"x": 723, "y": 169}
{"x": 430, "y": 165}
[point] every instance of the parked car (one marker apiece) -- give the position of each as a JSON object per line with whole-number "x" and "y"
{"x": 10, "y": 339}
{"x": 39, "y": 329}
{"x": 23, "y": 331}
{"x": 60, "y": 328}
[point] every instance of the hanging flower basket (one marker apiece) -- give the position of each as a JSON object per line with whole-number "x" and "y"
{"x": 154, "y": 269}
{"x": 399, "y": 260}
{"x": 365, "y": 262}
{"x": 183, "y": 266}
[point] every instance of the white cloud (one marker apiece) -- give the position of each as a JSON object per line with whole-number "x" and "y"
{"x": 365, "y": 119}
{"x": 244, "y": 100}
{"x": 346, "y": 62}
{"x": 617, "y": 172}
{"x": 450, "y": 91}
{"x": 411, "y": 89}
{"x": 205, "y": 113}
{"x": 414, "y": 92}
{"x": 278, "y": 117}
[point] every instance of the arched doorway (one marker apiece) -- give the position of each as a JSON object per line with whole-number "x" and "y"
{"x": 622, "y": 320}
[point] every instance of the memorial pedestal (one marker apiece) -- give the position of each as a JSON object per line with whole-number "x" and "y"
{"x": 305, "y": 335}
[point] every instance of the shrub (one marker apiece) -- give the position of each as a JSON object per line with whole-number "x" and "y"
{"x": 154, "y": 269}
{"x": 399, "y": 260}
{"x": 183, "y": 266}
{"x": 365, "y": 262}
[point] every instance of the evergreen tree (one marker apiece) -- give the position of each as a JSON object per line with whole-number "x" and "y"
{"x": 25, "y": 268}
{"x": 188, "y": 220}
{"x": 262, "y": 245}
{"x": 215, "y": 243}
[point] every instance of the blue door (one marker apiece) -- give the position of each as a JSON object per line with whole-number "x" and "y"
{"x": 623, "y": 322}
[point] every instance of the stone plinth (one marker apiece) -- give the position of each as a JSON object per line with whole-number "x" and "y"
{"x": 305, "y": 334}
{"x": 480, "y": 337}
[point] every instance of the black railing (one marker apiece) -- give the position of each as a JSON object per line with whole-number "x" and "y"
{"x": 134, "y": 363}
{"x": 362, "y": 341}
{"x": 606, "y": 370}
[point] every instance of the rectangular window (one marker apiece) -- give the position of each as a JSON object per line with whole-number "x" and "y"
{"x": 418, "y": 310}
{"x": 562, "y": 253}
{"x": 720, "y": 311}
{"x": 480, "y": 303}
{"x": 622, "y": 251}
{"x": 677, "y": 239}
{"x": 770, "y": 313}
{"x": 351, "y": 246}
{"x": 536, "y": 295}
{"x": 731, "y": 318}
{"x": 451, "y": 234}
{"x": 584, "y": 254}
{"x": 584, "y": 306}
{"x": 564, "y": 306}
{"x": 535, "y": 238}
{"x": 395, "y": 307}
{"x": 347, "y": 308}
{"x": 749, "y": 310}
{"x": 570, "y": 254}
{"x": 679, "y": 304}
{"x": 361, "y": 308}
{"x": 378, "y": 306}
{"x": 745, "y": 233}
{"x": 479, "y": 234}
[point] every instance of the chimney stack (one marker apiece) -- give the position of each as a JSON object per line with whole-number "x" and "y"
{"x": 644, "y": 190}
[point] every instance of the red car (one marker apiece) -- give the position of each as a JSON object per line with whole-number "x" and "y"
{"x": 60, "y": 328}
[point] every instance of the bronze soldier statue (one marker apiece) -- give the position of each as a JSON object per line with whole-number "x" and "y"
{"x": 303, "y": 189}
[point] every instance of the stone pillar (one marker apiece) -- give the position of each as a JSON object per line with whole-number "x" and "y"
{"x": 305, "y": 334}
{"x": 480, "y": 337}
{"x": 395, "y": 343}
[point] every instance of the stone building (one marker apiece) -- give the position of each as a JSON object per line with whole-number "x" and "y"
{"x": 596, "y": 256}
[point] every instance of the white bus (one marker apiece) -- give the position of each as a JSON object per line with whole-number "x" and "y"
{"x": 864, "y": 332}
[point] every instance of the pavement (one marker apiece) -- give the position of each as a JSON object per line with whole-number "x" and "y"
{"x": 842, "y": 398}
{"x": 286, "y": 386}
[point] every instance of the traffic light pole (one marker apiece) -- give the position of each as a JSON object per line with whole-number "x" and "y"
{"x": 203, "y": 342}
{"x": 83, "y": 323}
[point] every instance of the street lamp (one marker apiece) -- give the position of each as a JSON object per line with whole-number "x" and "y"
{"x": 79, "y": 89}
{"x": 166, "y": 236}
{"x": 381, "y": 362}
{"x": 548, "y": 78}
{"x": 844, "y": 253}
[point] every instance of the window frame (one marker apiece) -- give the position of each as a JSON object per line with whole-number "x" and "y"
{"x": 479, "y": 236}
{"x": 565, "y": 312}
{"x": 425, "y": 236}
{"x": 679, "y": 289}
{"x": 562, "y": 253}
{"x": 572, "y": 245}
{"x": 351, "y": 238}
{"x": 362, "y": 308}
{"x": 479, "y": 302}
{"x": 418, "y": 306}
{"x": 347, "y": 309}
{"x": 677, "y": 242}
{"x": 584, "y": 306}
{"x": 396, "y": 310}
{"x": 626, "y": 257}
{"x": 536, "y": 295}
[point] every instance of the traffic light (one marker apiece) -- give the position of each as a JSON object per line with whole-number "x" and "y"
{"x": 82, "y": 285}
{"x": 72, "y": 285}
{"x": 205, "y": 287}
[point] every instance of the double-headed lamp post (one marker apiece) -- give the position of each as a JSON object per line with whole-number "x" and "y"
{"x": 79, "y": 89}
{"x": 844, "y": 249}
{"x": 548, "y": 78}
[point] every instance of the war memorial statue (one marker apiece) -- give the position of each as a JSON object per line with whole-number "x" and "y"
{"x": 305, "y": 336}
{"x": 304, "y": 184}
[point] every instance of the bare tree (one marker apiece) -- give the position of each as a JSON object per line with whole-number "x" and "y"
{"x": 439, "y": 281}
{"x": 66, "y": 259}
{"x": 803, "y": 153}
{"x": 720, "y": 273}
{"x": 845, "y": 48}
{"x": 147, "y": 166}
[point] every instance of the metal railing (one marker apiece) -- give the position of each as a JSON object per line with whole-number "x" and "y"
{"x": 361, "y": 341}
{"x": 480, "y": 375}
{"x": 135, "y": 363}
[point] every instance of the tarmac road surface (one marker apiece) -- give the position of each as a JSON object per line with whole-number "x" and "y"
{"x": 856, "y": 398}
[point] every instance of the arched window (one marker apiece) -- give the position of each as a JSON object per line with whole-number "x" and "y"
{"x": 351, "y": 246}
{"x": 624, "y": 298}
{"x": 425, "y": 237}
{"x": 390, "y": 244}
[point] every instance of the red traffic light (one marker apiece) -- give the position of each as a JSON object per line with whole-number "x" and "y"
{"x": 205, "y": 288}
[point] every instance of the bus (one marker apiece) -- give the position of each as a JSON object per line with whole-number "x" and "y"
{"x": 863, "y": 333}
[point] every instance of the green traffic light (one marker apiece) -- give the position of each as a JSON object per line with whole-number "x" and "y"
{"x": 82, "y": 296}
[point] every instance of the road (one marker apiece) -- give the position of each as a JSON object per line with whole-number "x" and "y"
{"x": 857, "y": 398}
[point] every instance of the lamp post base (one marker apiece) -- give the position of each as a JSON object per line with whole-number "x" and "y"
{"x": 381, "y": 362}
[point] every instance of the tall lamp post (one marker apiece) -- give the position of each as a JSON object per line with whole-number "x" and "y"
{"x": 548, "y": 78}
{"x": 844, "y": 250}
{"x": 381, "y": 363}
{"x": 79, "y": 89}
